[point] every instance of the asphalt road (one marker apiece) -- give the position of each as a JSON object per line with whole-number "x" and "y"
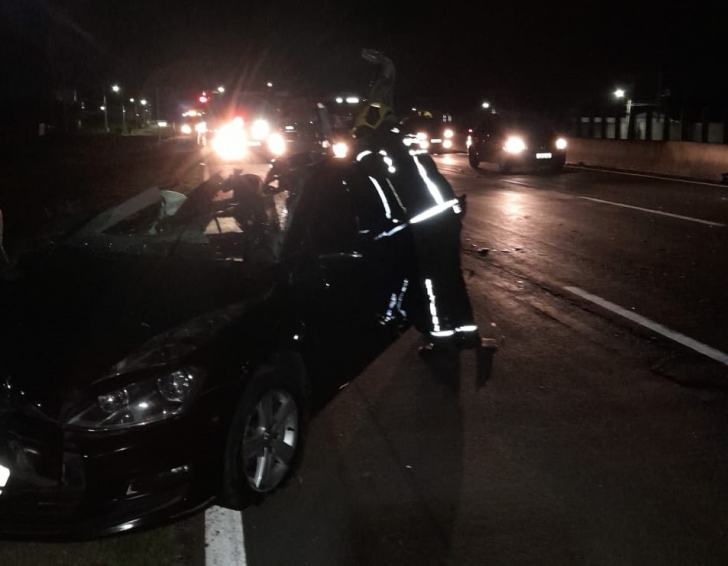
{"x": 595, "y": 439}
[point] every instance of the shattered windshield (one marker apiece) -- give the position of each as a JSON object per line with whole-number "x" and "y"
{"x": 225, "y": 222}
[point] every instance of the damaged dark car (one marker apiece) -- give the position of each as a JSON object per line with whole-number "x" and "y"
{"x": 167, "y": 354}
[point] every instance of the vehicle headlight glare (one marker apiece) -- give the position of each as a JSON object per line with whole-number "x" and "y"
{"x": 230, "y": 143}
{"x": 448, "y": 133}
{"x": 421, "y": 136}
{"x": 515, "y": 145}
{"x": 260, "y": 129}
{"x": 340, "y": 150}
{"x": 186, "y": 129}
{"x": 277, "y": 144}
{"x": 147, "y": 401}
{"x": 201, "y": 128}
{"x": 561, "y": 143}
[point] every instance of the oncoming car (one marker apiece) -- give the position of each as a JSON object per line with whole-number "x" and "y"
{"x": 433, "y": 135}
{"x": 516, "y": 142}
{"x": 167, "y": 353}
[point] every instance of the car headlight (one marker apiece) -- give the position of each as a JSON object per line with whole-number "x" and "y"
{"x": 340, "y": 150}
{"x": 230, "y": 143}
{"x": 143, "y": 402}
{"x": 561, "y": 143}
{"x": 201, "y": 128}
{"x": 448, "y": 133}
{"x": 421, "y": 136}
{"x": 277, "y": 144}
{"x": 515, "y": 145}
{"x": 260, "y": 129}
{"x": 186, "y": 129}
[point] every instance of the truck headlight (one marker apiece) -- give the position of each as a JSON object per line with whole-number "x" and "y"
{"x": 143, "y": 402}
{"x": 448, "y": 133}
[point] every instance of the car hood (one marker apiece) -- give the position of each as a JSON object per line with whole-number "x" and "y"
{"x": 533, "y": 133}
{"x": 70, "y": 316}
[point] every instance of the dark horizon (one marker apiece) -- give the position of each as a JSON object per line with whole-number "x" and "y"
{"x": 564, "y": 56}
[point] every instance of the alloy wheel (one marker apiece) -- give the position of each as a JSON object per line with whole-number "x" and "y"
{"x": 269, "y": 440}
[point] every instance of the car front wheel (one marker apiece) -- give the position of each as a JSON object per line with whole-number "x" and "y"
{"x": 266, "y": 436}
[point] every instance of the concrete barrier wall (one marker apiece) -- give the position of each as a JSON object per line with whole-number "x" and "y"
{"x": 681, "y": 159}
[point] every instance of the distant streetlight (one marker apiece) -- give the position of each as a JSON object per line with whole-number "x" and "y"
{"x": 619, "y": 94}
{"x": 221, "y": 89}
{"x": 117, "y": 90}
{"x": 270, "y": 85}
{"x": 106, "y": 114}
{"x": 131, "y": 100}
{"x": 143, "y": 102}
{"x": 486, "y": 105}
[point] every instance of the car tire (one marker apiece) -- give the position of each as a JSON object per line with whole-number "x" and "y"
{"x": 505, "y": 167}
{"x": 265, "y": 442}
{"x": 473, "y": 159}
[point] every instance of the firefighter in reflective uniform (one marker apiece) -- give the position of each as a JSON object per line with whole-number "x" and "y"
{"x": 432, "y": 209}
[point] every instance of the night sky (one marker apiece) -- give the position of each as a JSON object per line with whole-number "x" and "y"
{"x": 563, "y": 54}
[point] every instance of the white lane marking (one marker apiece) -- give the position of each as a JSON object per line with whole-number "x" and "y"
{"x": 224, "y": 540}
{"x": 699, "y": 347}
{"x": 520, "y": 183}
{"x": 650, "y": 210}
{"x": 472, "y": 173}
{"x": 674, "y": 180}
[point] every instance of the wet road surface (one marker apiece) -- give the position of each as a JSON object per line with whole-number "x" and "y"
{"x": 593, "y": 440}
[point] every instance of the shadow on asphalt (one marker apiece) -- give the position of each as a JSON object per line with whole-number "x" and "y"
{"x": 381, "y": 479}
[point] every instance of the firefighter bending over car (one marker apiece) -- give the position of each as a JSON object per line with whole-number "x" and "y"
{"x": 433, "y": 210}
